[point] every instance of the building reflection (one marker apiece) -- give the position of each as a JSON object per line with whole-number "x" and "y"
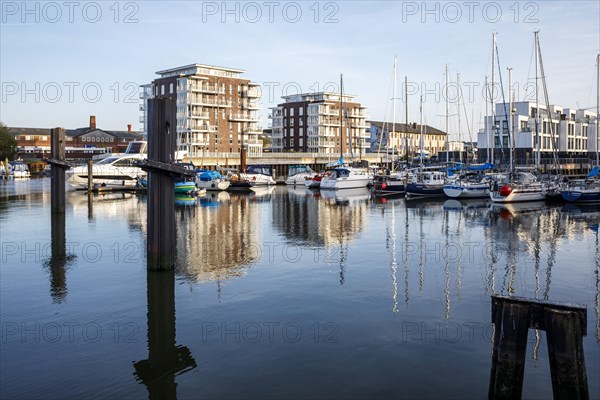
{"x": 219, "y": 237}
{"x": 321, "y": 218}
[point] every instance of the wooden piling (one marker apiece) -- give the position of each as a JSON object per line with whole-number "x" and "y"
{"x": 565, "y": 326}
{"x": 6, "y": 166}
{"x": 57, "y": 153}
{"x": 90, "y": 175}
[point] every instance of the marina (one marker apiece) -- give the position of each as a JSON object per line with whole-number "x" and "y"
{"x": 276, "y": 286}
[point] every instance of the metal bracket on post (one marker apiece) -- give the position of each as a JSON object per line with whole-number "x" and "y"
{"x": 565, "y": 326}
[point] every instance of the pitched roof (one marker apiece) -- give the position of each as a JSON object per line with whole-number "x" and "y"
{"x": 412, "y": 128}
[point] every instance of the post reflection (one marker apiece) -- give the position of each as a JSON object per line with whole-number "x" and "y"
{"x": 59, "y": 259}
{"x": 165, "y": 359}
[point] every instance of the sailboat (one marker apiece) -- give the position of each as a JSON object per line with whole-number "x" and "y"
{"x": 588, "y": 190}
{"x": 428, "y": 183}
{"x": 522, "y": 186}
{"x": 344, "y": 177}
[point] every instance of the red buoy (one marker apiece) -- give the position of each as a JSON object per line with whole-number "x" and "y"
{"x": 505, "y": 190}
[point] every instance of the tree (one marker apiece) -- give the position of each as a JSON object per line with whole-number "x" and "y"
{"x": 8, "y": 144}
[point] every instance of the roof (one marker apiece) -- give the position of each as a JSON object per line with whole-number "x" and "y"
{"x": 73, "y": 132}
{"x": 184, "y": 67}
{"x": 412, "y": 128}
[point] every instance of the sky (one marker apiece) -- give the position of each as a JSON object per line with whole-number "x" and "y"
{"x": 63, "y": 61}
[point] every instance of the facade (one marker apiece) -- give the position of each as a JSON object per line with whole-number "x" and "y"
{"x": 393, "y": 137}
{"x": 321, "y": 122}
{"x": 80, "y": 143}
{"x": 571, "y": 132}
{"x": 217, "y": 110}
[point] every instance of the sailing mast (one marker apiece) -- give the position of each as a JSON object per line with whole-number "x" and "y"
{"x": 537, "y": 106}
{"x": 460, "y": 147}
{"x": 492, "y": 95}
{"x": 393, "y": 111}
{"x": 341, "y": 119}
{"x": 447, "y": 141}
{"x": 598, "y": 110}
{"x": 485, "y": 125}
{"x": 421, "y": 136}
{"x": 510, "y": 121}
{"x": 406, "y": 118}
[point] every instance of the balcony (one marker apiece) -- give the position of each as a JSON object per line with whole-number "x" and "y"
{"x": 250, "y": 94}
{"x": 242, "y": 117}
{"x": 210, "y": 102}
{"x": 197, "y": 115}
{"x": 209, "y": 89}
{"x": 203, "y": 128}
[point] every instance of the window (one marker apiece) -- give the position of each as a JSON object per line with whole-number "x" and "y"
{"x": 291, "y": 121}
{"x": 162, "y": 89}
{"x": 291, "y": 112}
{"x": 301, "y": 111}
{"x": 83, "y": 138}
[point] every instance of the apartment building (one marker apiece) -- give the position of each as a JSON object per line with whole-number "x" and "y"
{"x": 395, "y": 137}
{"x": 571, "y": 132}
{"x": 321, "y": 122}
{"x": 217, "y": 109}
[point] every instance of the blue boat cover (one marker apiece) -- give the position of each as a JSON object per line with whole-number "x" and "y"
{"x": 594, "y": 172}
{"x": 481, "y": 167}
{"x": 209, "y": 175}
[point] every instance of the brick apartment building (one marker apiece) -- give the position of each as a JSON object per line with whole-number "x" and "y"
{"x": 216, "y": 108}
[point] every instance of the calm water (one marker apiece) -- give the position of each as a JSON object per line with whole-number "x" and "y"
{"x": 283, "y": 293}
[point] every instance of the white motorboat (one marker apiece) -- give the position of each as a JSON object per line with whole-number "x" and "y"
{"x": 211, "y": 180}
{"x": 119, "y": 170}
{"x": 258, "y": 175}
{"x": 297, "y": 174}
{"x": 346, "y": 178}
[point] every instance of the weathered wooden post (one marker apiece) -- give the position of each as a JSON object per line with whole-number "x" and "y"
{"x": 90, "y": 175}
{"x": 162, "y": 137}
{"x": 59, "y": 165}
{"x": 565, "y": 326}
{"x": 6, "y": 166}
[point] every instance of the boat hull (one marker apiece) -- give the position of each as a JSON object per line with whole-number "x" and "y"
{"x": 467, "y": 192}
{"x": 213, "y": 185}
{"x": 345, "y": 183}
{"x": 581, "y": 196}
{"x": 184, "y": 187}
{"x": 519, "y": 195}
{"x": 423, "y": 190}
{"x": 299, "y": 178}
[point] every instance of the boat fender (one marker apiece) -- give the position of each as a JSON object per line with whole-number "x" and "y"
{"x": 253, "y": 178}
{"x": 383, "y": 186}
{"x": 505, "y": 190}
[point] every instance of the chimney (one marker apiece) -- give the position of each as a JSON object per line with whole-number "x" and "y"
{"x": 92, "y": 122}
{"x": 128, "y": 127}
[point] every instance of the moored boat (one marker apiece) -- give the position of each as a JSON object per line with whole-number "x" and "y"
{"x": 523, "y": 187}
{"x": 297, "y": 174}
{"x": 345, "y": 178}
{"x": 259, "y": 175}
{"x": 427, "y": 184}
{"x": 211, "y": 180}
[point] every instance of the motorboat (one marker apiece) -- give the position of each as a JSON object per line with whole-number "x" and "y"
{"x": 427, "y": 184}
{"x": 392, "y": 184}
{"x": 314, "y": 182}
{"x": 119, "y": 170}
{"x": 297, "y": 174}
{"x": 345, "y": 178}
{"x": 259, "y": 175}
{"x": 211, "y": 180}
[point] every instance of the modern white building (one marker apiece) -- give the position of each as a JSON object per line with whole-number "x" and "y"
{"x": 571, "y": 132}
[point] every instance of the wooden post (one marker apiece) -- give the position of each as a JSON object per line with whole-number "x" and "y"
{"x": 565, "y": 351}
{"x": 90, "y": 175}
{"x": 565, "y": 326}
{"x": 508, "y": 356}
{"x": 57, "y": 152}
{"x": 6, "y": 166}
{"x": 162, "y": 137}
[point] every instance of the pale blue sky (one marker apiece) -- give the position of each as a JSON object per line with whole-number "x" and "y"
{"x": 358, "y": 39}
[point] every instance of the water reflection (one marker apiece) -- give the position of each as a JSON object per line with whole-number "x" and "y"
{"x": 165, "y": 358}
{"x": 217, "y": 240}
{"x": 59, "y": 259}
